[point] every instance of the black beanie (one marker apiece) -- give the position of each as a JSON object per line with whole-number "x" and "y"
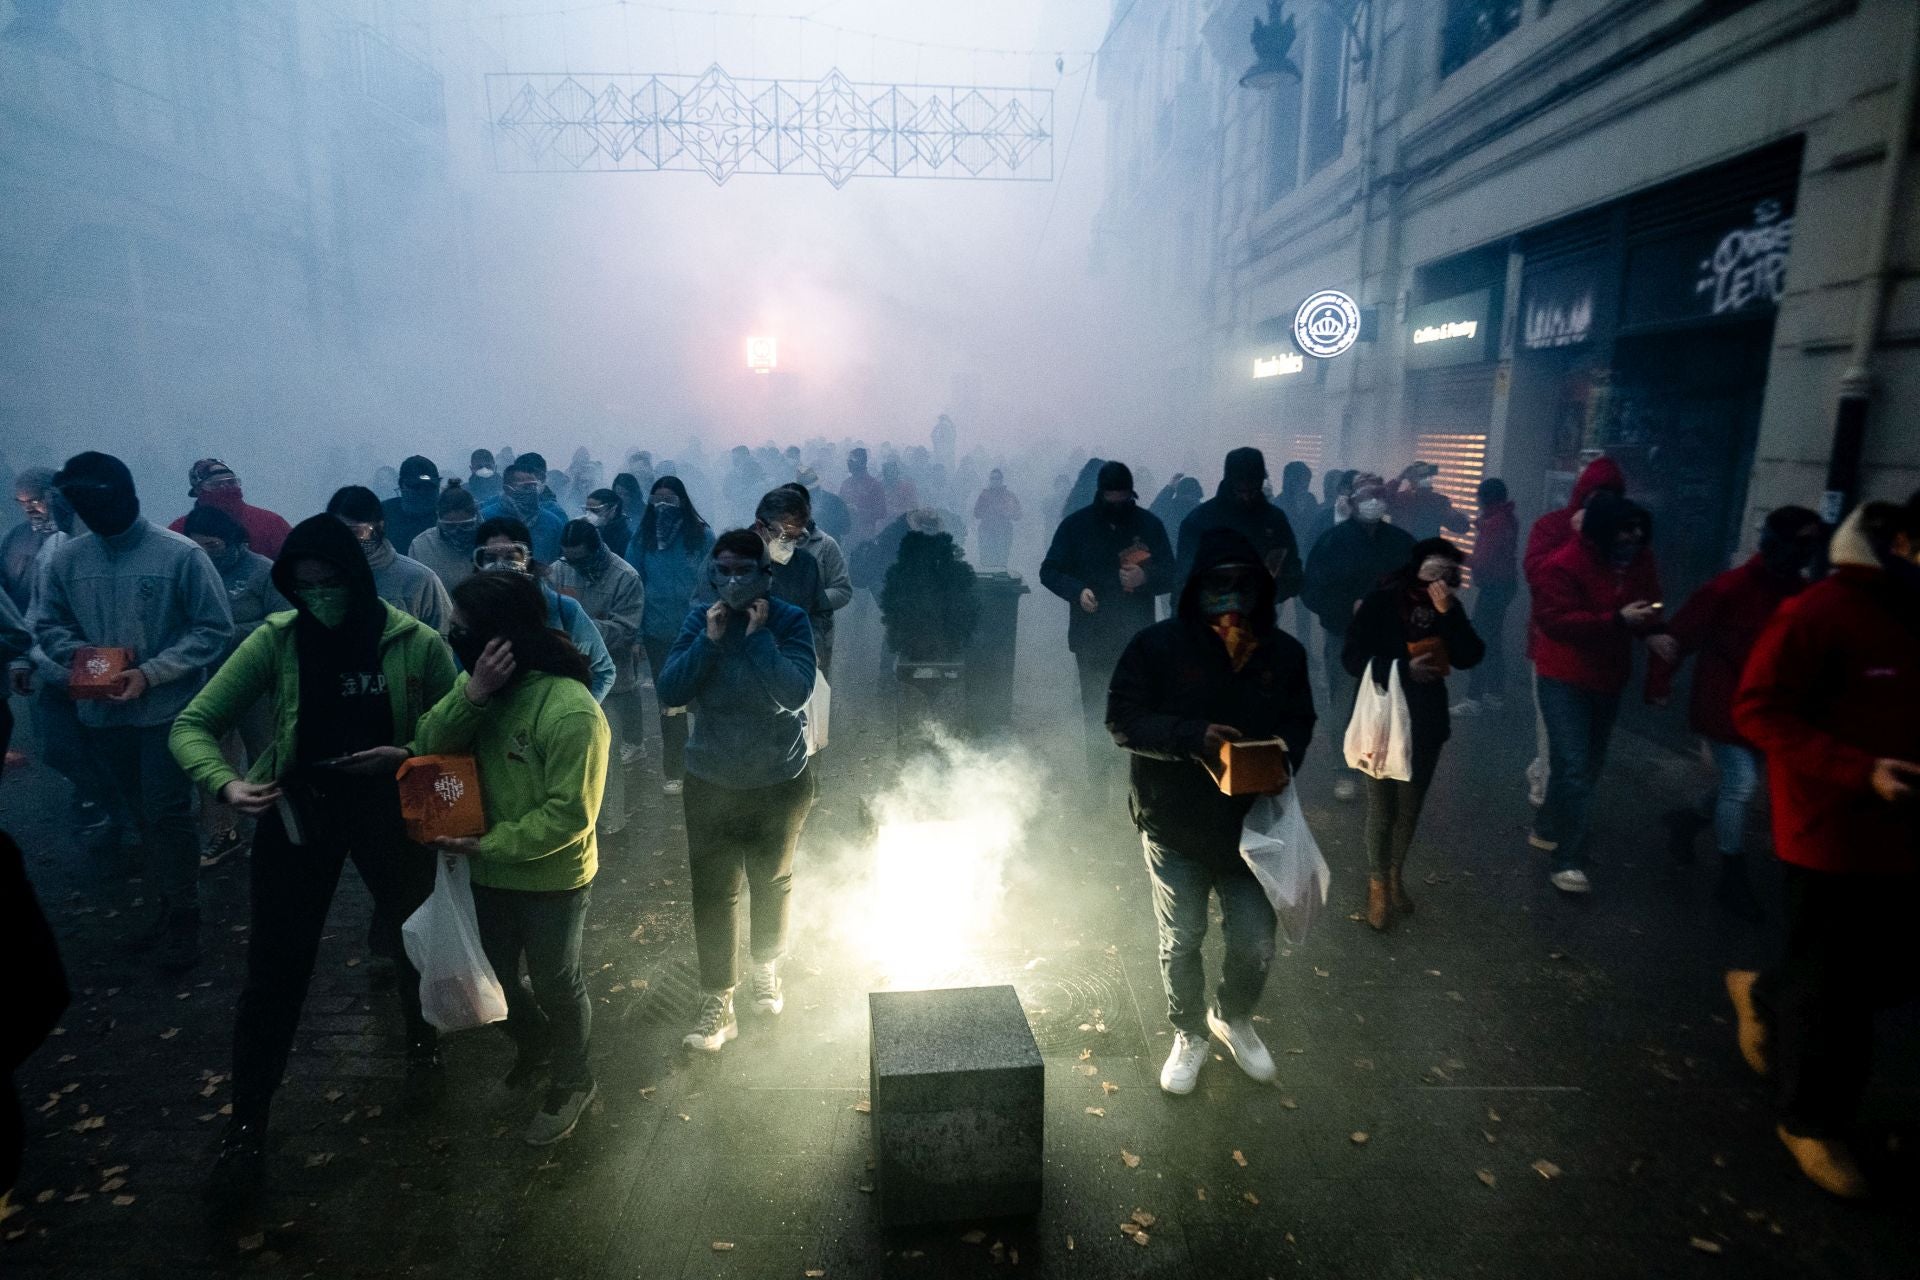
{"x": 1246, "y": 465}
{"x": 100, "y": 490}
{"x": 1114, "y": 477}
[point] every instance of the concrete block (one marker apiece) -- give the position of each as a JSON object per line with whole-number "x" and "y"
{"x": 957, "y": 1096}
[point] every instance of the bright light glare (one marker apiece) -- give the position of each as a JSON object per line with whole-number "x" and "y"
{"x": 763, "y": 355}
{"x": 939, "y": 896}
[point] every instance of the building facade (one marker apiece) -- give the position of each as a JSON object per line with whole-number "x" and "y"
{"x": 1641, "y": 227}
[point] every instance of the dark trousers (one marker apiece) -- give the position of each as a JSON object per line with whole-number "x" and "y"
{"x": 1847, "y": 954}
{"x": 673, "y": 720}
{"x": 155, "y": 795}
{"x": 1490, "y": 621}
{"x": 742, "y": 840}
{"x": 1393, "y": 811}
{"x": 291, "y": 888}
{"x": 1096, "y": 675}
{"x": 63, "y": 741}
{"x": 1579, "y": 726}
{"x": 1181, "y": 885}
{"x": 546, "y": 928}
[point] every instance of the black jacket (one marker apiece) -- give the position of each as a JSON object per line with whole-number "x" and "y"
{"x": 1085, "y": 553}
{"x": 1347, "y": 562}
{"x": 1172, "y": 682}
{"x": 36, "y": 993}
{"x": 1263, "y": 524}
{"x": 1388, "y": 621}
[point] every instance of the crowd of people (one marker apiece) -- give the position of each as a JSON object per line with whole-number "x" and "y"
{"x": 232, "y": 681}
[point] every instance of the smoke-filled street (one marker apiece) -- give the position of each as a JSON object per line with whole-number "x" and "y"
{"x": 1117, "y": 638}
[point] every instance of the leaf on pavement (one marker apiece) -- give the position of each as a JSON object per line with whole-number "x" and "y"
{"x": 1129, "y": 1159}
{"x": 1486, "y": 1176}
{"x": 864, "y": 1106}
{"x": 1358, "y": 1138}
{"x": 1250, "y": 1198}
{"x": 1703, "y": 1245}
{"x": 1096, "y": 1111}
{"x": 122, "y": 1201}
{"x": 1239, "y": 1159}
{"x": 1546, "y": 1169}
{"x": 249, "y": 1243}
{"x": 1109, "y": 1088}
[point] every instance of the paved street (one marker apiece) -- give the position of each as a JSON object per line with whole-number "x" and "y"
{"x": 1509, "y": 1084}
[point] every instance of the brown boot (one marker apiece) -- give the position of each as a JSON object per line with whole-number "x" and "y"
{"x": 1377, "y": 914}
{"x": 1397, "y": 894}
{"x": 1827, "y": 1164}
{"x": 1751, "y": 1028}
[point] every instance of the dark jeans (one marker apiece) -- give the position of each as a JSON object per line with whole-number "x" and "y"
{"x": 1490, "y": 621}
{"x": 546, "y": 928}
{"x": 735, "y": 840}
{"x": 673, "y": 720}
{"x": 291, "y": 888}
{"x": 1180, "y": 888}
{"x": 1847, "y": 954}
{"x": 63, "y": 741}
{"x": 1393, "y": 811}
{"x": 1579, "y": 724}
{"x": 151, "y": 791}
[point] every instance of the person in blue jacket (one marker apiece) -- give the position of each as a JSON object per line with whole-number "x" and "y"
{"x": 502, "y": 544}
{"x": 520, "y": 499}
{"x": 745, "y": 664}
{"x": 670, "y": 549}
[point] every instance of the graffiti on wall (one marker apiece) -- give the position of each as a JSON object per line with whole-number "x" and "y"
{"x": 1749, "y": 265}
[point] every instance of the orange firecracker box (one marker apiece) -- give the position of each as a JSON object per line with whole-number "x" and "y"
{"x": 440, "y": 798}
{"x": 1257, "y": 768}
{"x": 95, "y": 673}
{"x": 1435, "y": 646}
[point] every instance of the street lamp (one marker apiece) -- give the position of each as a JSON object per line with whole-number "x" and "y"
{"x": 1272, "y": 41}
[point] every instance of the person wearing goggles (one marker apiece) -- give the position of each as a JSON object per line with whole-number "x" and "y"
{"x": 401, "y": 581}
{"x": 504, "y": 545}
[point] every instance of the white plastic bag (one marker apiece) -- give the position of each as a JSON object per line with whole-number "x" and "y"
{"x": 813, "y": 716}
{"x": 1380, "y": 735}
{"x": 1280, "y": 850}
{"x": 458, "y": 989}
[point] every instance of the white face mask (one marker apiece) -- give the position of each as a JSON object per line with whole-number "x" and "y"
{"x": 484, "y": 472}
{"x": 780, "y": 551}
{"x": 597, "y": 519}
{"x": 1434, "y": 568}
{"x": 1370, "y": 510}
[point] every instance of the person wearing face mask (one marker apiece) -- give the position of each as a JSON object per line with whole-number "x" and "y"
{"x": 1591, "y": 600}
{"x": 745, "y": 665}
{"x": 1109, "y": 561}
{"x": 401, "y": 581}
{"x": 32, "y": 491}
{"x": 347, "y": 677}
{"x": 609, "y": 590}
{"x": 212, "y": 483}
{"x": 1831, "y": 698}
{"x": 1219, "y": 670}
{"x": 670, "y": 551}
{"x": 836, "y": 581}
{"x": 520, "y": 499}
{"x": 1419, "y": 508}
{"x": 502, "y": 548}
{"x": 1241, "y": 503}
{"x": 607, "y": 512}
{"x": 1414, "y": 619}
{"x": 483, "y": 479}
{"x": 447, "y": 547}
{"x": 1346, "y": 563}
{"x": 413, "y": 512}
{"x": 1721, "y": 622}
{"x": 130, "y": 585}
{"x": 631, "y": 492}
{"x": 798, "y": 577}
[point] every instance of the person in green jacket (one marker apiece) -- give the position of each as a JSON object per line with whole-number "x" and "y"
{"x": 525, "y": 711}
{"x": 348, "y": 677}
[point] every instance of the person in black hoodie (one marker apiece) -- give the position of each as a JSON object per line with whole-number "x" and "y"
{"x": 349, "y": 677}
{"x": 1109, "y": 561}
{"x": 1241, "y": 504}
{"x": 1415, "y": 619}
{"x": 1219, "y": 670}
{"x": 36, "y": 996}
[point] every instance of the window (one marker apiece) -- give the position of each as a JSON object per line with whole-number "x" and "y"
{"x": 1283, "y": 139}
{"x": 1471, "y": 27}
{"x": 1329, "y": 74}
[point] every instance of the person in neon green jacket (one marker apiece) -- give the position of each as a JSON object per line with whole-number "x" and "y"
{"x": 527, "y": 715}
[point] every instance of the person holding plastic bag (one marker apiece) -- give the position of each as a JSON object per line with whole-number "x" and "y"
{"x": 1412, "y": 625}
{"x": 525, "y": 711}
{"x": 347, "y": 678}
{"x": 1219, "y": 670}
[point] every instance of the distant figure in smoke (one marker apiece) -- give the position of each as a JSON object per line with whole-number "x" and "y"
{"x": 1496, "y": 580}
{"x": 670, "y": 551}
{"x": 1108, "y": 561}
{"x": 212, "y": 483}
{"x": 865, "y": 496}
{"x": 483, "y": 476}
{"x": 412, "y": 513}
{"x": 745, "y": 665}
{"x": 743, "y": 485}
{"x": 447, "y": 548}
{"x": 33, "y": 494}
{"x": 1423, "y": 511}
{"x": 996, "y": 511}
{"x": 1085, "y": 487}
{"x": 830, "y": 512}
{"x": 401, "y": 581}
{"x": 929, "y": 606}
{"x": 386, "y": 481}
{"x": 1219, "y": 670}
{"x": 632, "y": 492}
{"x": 1241, "y": 504}
{"x": 1336, "y": 507}
{"x": 902, "y": 494}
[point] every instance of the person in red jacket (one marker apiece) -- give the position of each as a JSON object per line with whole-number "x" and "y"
{"x": 1591, "y": 600}
{"x": 1831, "y": 695}
{"x": 1549, "y": 533}
{"x": 212, "y": 483}
{"x": 1496, "y": 580}
{"x": 1721, "y": 623}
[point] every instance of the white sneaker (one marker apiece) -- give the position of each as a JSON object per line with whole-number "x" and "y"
{"x": 672, "y": 786}
{"x": 768, "y": 995}
{"x": 1346, "y": 789}
{"x": 1244, "y": 1043}
{"x": 717, "y": 1024}
{"x": 1182, "y": 1071}
{"x": 1571, "y": 881}
{"x": 1465, "y": 707}
{"x": 632, "y": 751}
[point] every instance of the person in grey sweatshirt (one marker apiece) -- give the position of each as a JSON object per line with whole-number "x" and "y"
{"x": 836, "y": 584}
{"x": 401, "y": 581}
{"x": 609, "y": 590}
{"x": 130, "y": 584}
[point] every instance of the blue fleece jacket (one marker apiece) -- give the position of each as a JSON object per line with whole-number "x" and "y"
{"x": 746, "y": 693}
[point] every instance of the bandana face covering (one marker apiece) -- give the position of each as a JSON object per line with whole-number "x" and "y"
{"x": 1237, "y": 636}
{"x": 328, "y": 605}
{"x": 738, "y": 590}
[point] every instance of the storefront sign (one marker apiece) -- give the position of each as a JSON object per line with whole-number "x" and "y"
{"x": 1557, "y": 307}
{"x": 1326, "y": 324}
{"x": 1451, "y": 331}
{"x": 1278, "y": 366}
{"x": 763, "y": 355}
{"x": 1714, "y": 271}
